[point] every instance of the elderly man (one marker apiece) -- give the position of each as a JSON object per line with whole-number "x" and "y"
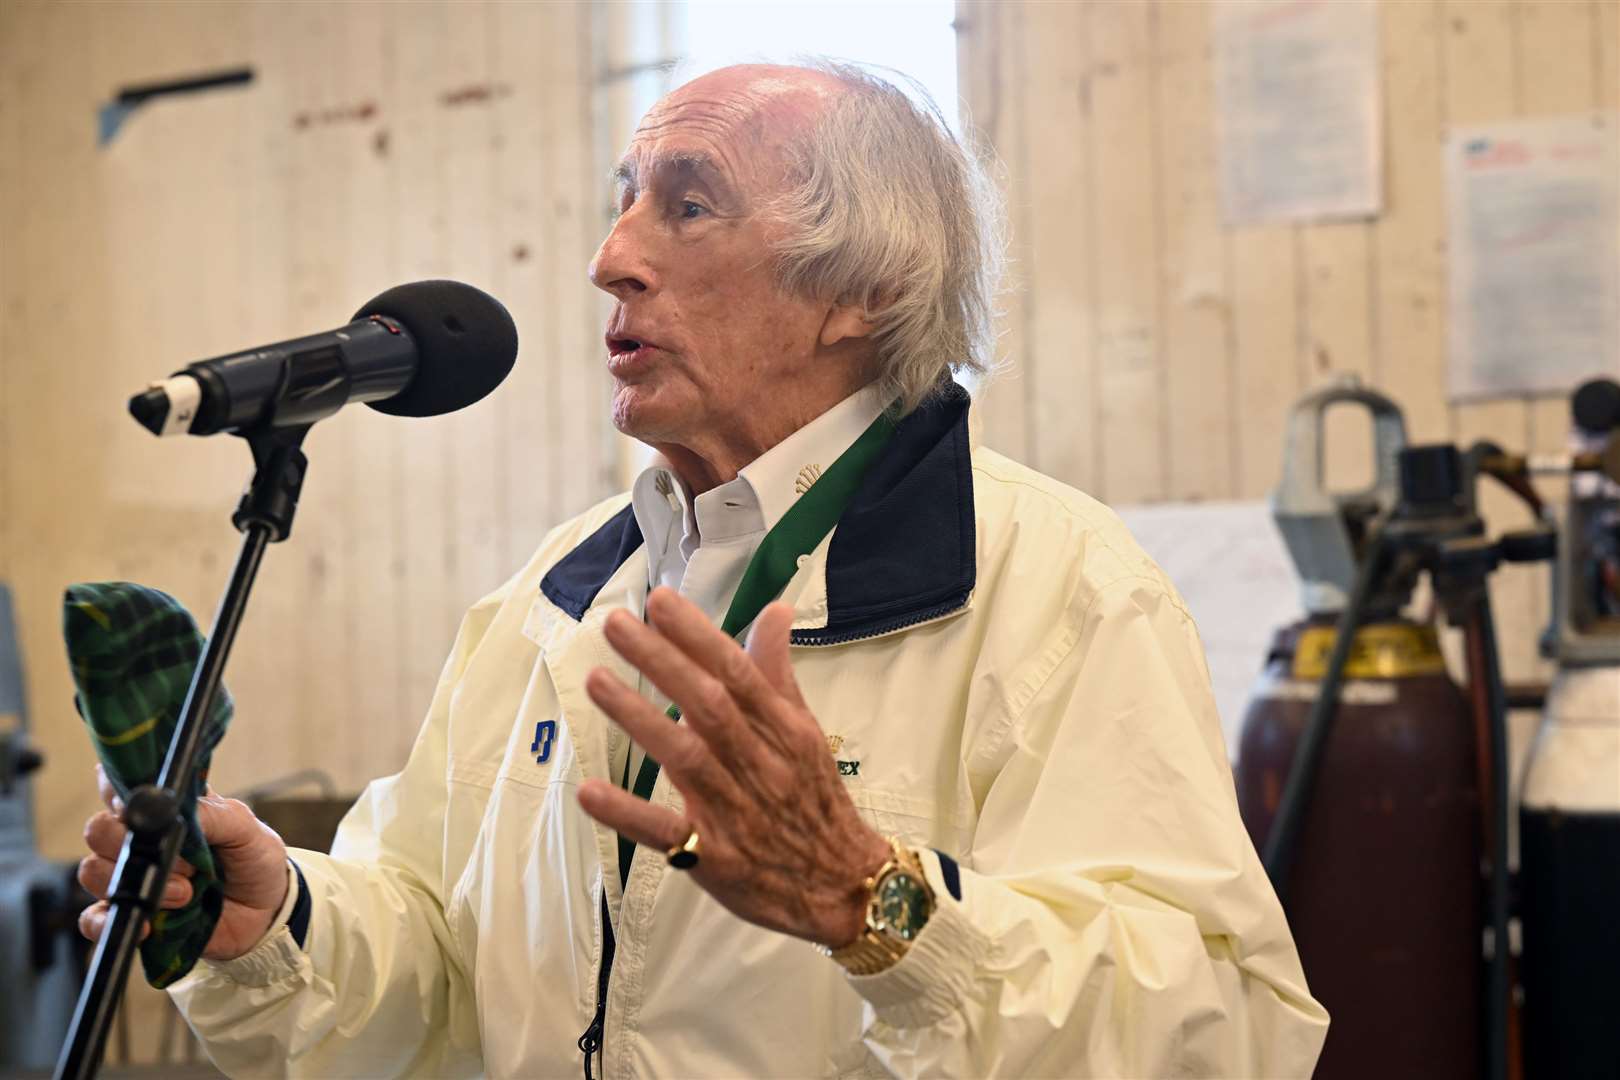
{"x": 961, "y": 807}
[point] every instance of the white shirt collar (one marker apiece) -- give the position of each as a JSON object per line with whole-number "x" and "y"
{"x": 786, "y": 471}
{"x": 743, "y": 509}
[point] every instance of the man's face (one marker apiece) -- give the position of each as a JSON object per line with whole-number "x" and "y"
{"x": 701, "y": 336}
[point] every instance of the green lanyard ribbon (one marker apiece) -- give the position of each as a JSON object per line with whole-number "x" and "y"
{"x": 802, "y": 528}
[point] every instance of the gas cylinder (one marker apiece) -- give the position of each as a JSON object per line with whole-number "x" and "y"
{"x": 1569, "y": 814}
{"x": 1384, "y": 894}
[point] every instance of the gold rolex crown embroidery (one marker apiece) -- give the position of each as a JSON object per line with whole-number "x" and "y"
{"x": 666, "y": 488}
{"x": 807, "y": 476}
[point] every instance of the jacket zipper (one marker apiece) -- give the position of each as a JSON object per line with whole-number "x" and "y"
{"x": 591, "y": 1042}
{"x": 934, "y": 614}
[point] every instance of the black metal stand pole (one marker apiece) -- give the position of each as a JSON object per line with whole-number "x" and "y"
{"x": 264, "y": 516}
{"x": 1463, "y": 585}
{"x": 1498, "y": 989}
{"x": 1283, "y": 841}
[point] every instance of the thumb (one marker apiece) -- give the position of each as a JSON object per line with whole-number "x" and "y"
{"x": 226, "y": 823}
{"x": 768, "y": 646}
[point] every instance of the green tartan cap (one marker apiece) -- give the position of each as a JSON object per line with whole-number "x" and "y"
{"x": 132, "y": 650}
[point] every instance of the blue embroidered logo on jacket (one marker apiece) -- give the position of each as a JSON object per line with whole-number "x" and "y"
{"x": 545, "y": 734}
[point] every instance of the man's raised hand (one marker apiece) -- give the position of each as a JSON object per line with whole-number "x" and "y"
{"x": 782, "y": 843}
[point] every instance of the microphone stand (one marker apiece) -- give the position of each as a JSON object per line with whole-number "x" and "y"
{"x": 263, "y": 516}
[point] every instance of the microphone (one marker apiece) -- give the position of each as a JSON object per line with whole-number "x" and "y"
{"x": 421, "y": 349}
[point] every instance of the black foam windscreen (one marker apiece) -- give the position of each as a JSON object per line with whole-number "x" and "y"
{"x": 466, "y": 344}
{"x": 1596, "y": 406}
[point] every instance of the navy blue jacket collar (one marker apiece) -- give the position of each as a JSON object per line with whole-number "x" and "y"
{"x": 903, "y": 551}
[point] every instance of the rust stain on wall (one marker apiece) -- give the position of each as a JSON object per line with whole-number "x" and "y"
{"x": 358, "y": 113}
{"x": 474, "y": 94}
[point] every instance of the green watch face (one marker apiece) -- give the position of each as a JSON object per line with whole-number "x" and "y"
{"x": 903, "y": 905}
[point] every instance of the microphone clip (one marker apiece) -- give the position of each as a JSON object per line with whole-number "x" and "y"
{"x": 271, "y": 497}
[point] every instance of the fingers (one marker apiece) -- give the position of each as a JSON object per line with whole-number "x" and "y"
{"x": 684, "y": 624}
{"x": 93, "y": 920}
{"x": 768, "y": 646}
{"x": 104, "y": 834}
{"x": 704, "y": 703}
{"x": 641, "y": 821}
{"x": 669, "y": 669}
{"x": 176, "y": 893}
{"x": 675, "y": 747}
{"x": 227, "y": 823}
{"x": 108, "y": 793}
{"x": 95, "y": 874}
{"x": 224, "y": 822}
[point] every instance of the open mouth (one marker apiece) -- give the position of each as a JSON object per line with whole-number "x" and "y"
{"x": 626, "y": 354}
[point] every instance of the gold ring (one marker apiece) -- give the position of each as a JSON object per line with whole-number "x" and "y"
{"x": 684, "y": 856}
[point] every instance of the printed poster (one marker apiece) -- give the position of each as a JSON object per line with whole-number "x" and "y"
{"x": 1534, "y": 243}
{"x": 1298, "y": 98}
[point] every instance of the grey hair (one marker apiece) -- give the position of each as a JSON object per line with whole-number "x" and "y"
{"x": 887, "y": 208}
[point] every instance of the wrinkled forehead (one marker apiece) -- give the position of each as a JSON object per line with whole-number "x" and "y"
{"x": 721, "y": 131}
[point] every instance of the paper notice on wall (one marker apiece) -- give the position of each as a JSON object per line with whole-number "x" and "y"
{"x": 1298, "y": 92}
{"x": 1534, "y": 254}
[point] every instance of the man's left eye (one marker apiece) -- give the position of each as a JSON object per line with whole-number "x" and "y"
{"x": 690, "y": 209}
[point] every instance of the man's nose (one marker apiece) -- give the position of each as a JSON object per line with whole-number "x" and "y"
{"x": 620, "y": 266}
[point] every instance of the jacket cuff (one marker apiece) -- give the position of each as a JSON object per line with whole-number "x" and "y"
{"x": 271, "y": 961}
{"x": 277, "y": 952}
{"x": 297, "y": 916}
{"x": 935, "y": 977}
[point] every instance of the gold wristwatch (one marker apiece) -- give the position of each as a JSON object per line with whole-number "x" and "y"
{"x": 898, "y": 904}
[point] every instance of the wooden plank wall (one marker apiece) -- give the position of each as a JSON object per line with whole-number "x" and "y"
{"x": 1153, "y": 352}
{"x": 379, "y": 143}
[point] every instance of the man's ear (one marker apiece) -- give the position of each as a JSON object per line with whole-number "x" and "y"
{"x": 845, "y": 322}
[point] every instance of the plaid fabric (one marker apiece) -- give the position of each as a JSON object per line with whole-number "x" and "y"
{"x": 132, "y": 651}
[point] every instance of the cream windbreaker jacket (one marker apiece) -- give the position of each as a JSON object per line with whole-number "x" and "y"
{"x": 1009, "y": 682}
